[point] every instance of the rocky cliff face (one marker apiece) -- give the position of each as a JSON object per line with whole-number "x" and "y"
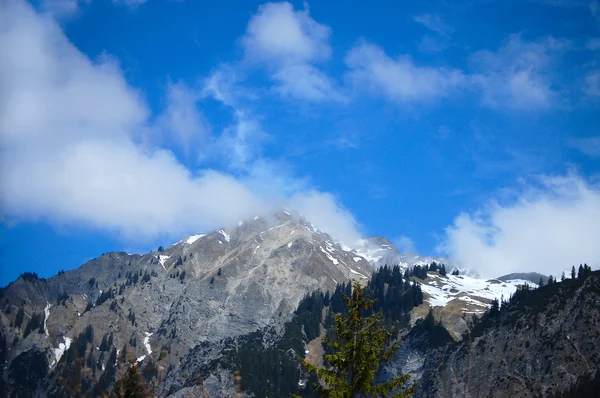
{"x": 156, "y": 307}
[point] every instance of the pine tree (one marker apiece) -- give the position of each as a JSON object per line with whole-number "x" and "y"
{"x": 360, "y": 345}
{"x": 573, "y": 272}
{"x": 130, "y": 386}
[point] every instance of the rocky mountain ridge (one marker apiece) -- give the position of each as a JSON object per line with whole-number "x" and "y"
{"x": 202, "y": 292}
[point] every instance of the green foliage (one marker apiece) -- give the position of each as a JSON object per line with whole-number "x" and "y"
{"x": 269, "y": 370}
{"x": 427, "y": 333}
{"x": 360, "y": 345}
{"x": 395, "y": 296}
{"x": 130, "y": 386}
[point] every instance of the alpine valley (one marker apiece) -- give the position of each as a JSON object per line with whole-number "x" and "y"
{"x": 229, "y": 312}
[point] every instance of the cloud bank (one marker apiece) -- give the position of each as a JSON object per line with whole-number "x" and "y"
{"x": 546, "y": 227}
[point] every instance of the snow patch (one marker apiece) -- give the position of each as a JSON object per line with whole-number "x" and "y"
{"x": 140, "y": 359}
{"x": 161, "y": 259}
{"x": 357, "y": 259}
{"x": 147, "y": 343}
{"x": 257, "y": 247}
{"x": 240, "y": 223}
{"x": 290, "y": 244}
{"x": 357, "y": 273}
{"x": 194, "y": 238}
{"x": 442, "y": 290}
{"x": 58, "y": 352}
{"x": 329, "y": 256}
{"x": 225, "y": 235}
{"x": 46, "y": 315}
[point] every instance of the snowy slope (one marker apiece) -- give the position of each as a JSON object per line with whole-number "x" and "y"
{"x": 473, "y": 295}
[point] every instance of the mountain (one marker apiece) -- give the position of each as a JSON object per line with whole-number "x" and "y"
{"x": 158, "y": 306}
{"x": 540, "y": 343}
{"x": 189, "y": 314}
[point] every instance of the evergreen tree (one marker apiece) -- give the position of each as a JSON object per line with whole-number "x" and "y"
{"x": 573, "y": 272}
{"x": 219, "y": 273}
{"x": 562, "y": 277}
{"x": 443, "y": 270}
{"x": 359, "y": 346}
{"x": 130, "y": 386}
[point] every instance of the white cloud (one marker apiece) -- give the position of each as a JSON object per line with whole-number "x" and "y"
{"x": 75, "y": 146}
{"x": 290, "y": 44}
{"x": 434, "y": 23}
{"x": 518, "y": 75}
{"x": 399, "y": 79}
{"x": 182, "y": 118}
{"x": 547, "y": 227}
{"x": 327, "y": 214}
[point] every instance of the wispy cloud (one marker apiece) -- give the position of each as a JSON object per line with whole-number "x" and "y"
{"x": 440, "y": 39}
{"x": 434, "y": 23}
{"x": 399, "y": 79}
{"x": 183, "y": 120}
{"x": 518, "y": 75}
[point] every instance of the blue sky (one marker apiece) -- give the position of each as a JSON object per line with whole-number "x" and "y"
{"x": 468, "y": 128}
